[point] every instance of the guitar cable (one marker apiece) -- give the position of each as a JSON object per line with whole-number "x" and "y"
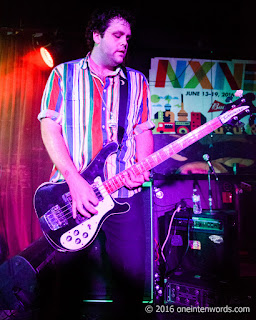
{"x": 169, "y": 231}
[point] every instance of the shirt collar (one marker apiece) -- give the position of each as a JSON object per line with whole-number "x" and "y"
{"x": 119, "y": 70}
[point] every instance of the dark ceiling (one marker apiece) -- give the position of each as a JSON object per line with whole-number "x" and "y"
{"x": 201, "y": 29}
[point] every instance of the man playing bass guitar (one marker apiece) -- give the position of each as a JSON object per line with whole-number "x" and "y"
{"x": 80, "y": 112}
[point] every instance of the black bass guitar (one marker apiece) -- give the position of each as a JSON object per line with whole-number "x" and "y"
{"x": 53, "y": 202}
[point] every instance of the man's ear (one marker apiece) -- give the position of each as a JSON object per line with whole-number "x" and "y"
{"x": 96, "y": 37}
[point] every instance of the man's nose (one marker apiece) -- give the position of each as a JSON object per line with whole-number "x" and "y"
{"x": 124, "y": 42}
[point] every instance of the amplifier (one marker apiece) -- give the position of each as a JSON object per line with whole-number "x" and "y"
{"x": 97, "y": 279}
{"x": 200, "y": 223}
{"x": 194, "y": 291}
{"x": 204, "y": 244}
{"x": 207, "y": 224}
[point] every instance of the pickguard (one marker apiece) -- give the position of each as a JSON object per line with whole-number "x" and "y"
{"x": 82, "y": 234}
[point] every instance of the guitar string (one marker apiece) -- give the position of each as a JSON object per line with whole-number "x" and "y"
{"x": 67, "y": 211}
{"x": 63, "y": 212}
{"x": 101, "y": 188}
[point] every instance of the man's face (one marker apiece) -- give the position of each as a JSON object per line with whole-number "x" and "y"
{"x": 114, "y": 44}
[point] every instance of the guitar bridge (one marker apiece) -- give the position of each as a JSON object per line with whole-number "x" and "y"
{"x": 55, "y": 218}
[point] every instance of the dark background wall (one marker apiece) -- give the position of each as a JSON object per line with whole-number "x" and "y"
{"x": 198, "y": 29}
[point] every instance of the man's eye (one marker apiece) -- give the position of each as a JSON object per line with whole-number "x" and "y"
{"x": 117, "y": 35}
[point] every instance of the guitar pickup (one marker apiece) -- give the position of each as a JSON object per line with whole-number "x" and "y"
{"x": 68, "y": 201}
{"x": 67, "y": 198}
{"x": 97, "y": 192}
{"x": 95, "y": 186}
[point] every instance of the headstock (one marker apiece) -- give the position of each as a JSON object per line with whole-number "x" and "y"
{"x": 243, "y": 101}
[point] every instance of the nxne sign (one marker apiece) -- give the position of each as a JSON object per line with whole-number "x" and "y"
{"x": 203, "y": 74}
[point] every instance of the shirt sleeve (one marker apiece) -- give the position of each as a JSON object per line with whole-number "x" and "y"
{"x": 52, "y": 100}
{"x": 144, "y": 122}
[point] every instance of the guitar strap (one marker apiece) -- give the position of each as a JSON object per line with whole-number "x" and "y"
{"x": 123, "y": 102}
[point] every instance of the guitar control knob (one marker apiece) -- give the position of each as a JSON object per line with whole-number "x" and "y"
{"x": 85, "y": 234}
{"x": 69, "y": 238}
{"x": 76, "y": 232}
{"x": 77, "y": 241}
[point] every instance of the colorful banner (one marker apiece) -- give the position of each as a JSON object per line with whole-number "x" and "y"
{"x": 186, "y": 93}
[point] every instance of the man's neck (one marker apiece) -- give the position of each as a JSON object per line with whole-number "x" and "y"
{"x": 99, "y": 66}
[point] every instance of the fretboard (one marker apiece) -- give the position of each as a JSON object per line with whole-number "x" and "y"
{"x": 115, "y": 183}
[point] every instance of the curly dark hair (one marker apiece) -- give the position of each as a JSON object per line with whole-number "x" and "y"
{"x": 100, "y": 20}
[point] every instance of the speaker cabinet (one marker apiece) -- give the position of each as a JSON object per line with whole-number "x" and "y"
{"x": 22, "y": 276}
{"x": 97, "y": 279}
{"x": 205, "y": 245}
{"x": 18, "y": 283}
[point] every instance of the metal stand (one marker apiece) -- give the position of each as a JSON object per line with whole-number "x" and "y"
{"x": 210, "y": 171}
{"x": 210, "y": 190}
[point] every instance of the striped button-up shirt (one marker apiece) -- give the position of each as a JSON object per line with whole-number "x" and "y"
{"x": 87, "y": 109}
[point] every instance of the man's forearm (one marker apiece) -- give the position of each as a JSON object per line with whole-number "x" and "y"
{"x": 144, "y": 145}
{"x": 56, "y": 148}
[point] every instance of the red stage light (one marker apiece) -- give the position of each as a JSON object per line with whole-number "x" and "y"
{"x": 47, "y": 57}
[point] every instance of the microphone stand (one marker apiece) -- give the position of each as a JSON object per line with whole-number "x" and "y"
{"x": 211, "y": 170}
{"x": 210, "y": 190}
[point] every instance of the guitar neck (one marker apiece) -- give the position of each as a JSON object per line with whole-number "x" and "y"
{"x": 115, "y": 183}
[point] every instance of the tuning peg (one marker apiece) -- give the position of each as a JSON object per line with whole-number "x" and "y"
{"x": 239, "y": 93}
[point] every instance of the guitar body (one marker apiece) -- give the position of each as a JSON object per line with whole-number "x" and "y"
{"x": 53, "y": 205}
